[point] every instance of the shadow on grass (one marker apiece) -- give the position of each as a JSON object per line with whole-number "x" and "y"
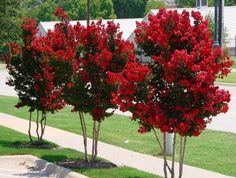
{"x": 54, "y": 158}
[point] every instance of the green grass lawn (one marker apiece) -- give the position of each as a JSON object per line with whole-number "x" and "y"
{"x": 231, "y": 78}
{"x": 10, "y": 139}
{"x": 212, "y": 150}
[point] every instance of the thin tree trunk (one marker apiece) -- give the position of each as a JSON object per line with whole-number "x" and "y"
{"x": 96, "y": 129}
{"x": 84, "y": 132}
{"x": 180, "y": 155}
{"x": 37, "y": 126}
{"x": 182, "y": 158}
{"x": 93, "y": 144}
{"x": 165, "y": 160}
{"x": 162, "y": 152}
{"x": 29, "y": 130}
{"x": 43, "y": 126}
{"x": 173, "y": 157}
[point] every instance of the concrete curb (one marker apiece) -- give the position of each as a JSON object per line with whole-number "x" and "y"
{"x": 53, "y": 170}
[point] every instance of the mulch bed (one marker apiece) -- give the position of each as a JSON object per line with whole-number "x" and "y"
{"x": 83, "y": 164}
{"x": 43, "y": 145}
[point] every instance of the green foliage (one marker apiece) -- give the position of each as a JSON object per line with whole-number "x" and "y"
{"x": 210, "y": 3}
{"x": 76, "y": 10}
{"x": 11, "y": 12}
{"x": 130, "y": 9}
{"x": 230, "y": 2}
{"x": 154, "y": 5}
{"x": 185, "y": 3}
{"x": 43, "y": 11}
{"x": 10, "y": 20}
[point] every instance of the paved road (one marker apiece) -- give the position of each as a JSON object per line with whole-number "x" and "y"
{"x": 224, "y": 122}
{"x": 5, "y": 89}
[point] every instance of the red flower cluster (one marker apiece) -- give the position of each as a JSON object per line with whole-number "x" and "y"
{"x": 62, "y": 15}
{"x": 176, "y": 92}
{"x": 99, "y": 50}
{"x": 33, "y": 71}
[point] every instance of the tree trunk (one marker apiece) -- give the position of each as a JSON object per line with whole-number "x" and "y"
{"x": 173, "y": 157}
{"x": 84, "y": 132}
{"x": 182, "y": 153}
{"x": 43, "y": 122}
{"x": 37, "y": 126}
{"x": 96, "y": 129}
{"x": 29, "y": 130}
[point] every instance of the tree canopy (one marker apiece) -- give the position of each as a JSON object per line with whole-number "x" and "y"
{"x": 130, "y": 9}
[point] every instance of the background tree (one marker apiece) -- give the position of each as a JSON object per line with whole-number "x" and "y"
{"x": 76, "y": 10}
{"x": 185, "y": 3}
{"x": 41, "y": 11}
{"x": 130, "y": 9}
{"x": 230, "y": 2}
{"x": 152, "y": 4}
{"x": 10, "y": 21}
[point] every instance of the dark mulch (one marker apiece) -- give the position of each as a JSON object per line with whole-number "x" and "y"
{"x": 43, "y": 145}
{"x": 83, "y": 164}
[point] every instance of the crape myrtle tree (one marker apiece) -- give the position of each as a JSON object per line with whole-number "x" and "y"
{"x": 98, "y": 48}
{"x": 33, "y": 77}
{"x": 80, "y": 57}
{"x": 176, "y": 92}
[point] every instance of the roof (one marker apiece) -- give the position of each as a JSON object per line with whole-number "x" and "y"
{"x": 127, "y": 26}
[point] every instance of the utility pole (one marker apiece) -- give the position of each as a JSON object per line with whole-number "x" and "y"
{"x": 221, "y": 23}
{"x": 88, "y": 12}
{"x": 216, "y": 24}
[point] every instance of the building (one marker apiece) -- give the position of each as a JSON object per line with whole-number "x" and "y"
{"x": 127, "y": 26}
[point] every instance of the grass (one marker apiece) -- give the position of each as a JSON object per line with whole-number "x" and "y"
{"x": 8, "y": 146}
{"x": 231, "y": 78}
{"x": 212, "y": 150}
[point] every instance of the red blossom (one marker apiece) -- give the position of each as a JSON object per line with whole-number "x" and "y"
{"x": 176, "y": 92}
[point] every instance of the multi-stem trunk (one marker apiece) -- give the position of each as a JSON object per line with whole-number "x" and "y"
{"x": 167, "y": 169}
{"x": 163, "y": 152}
{"x": 43, "y": 123}
{"x": 96, "y": 129}
{"x": 84, "y": 132}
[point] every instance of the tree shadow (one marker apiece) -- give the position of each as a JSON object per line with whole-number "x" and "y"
{"x": 54, "y": 158}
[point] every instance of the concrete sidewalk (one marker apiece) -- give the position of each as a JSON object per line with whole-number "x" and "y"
{"x": 117, "y": 155}
{"x": 28, "y": 166}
